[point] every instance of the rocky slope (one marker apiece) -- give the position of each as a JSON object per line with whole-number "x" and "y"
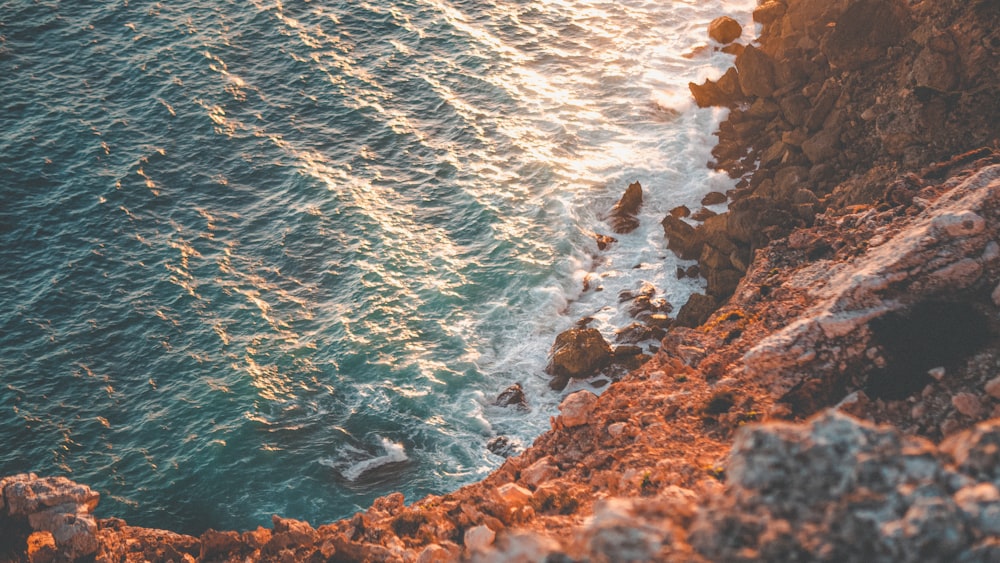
{"x": 829, "y": 398}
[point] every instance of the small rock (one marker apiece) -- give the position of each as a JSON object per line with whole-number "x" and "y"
{"x": 41, "y": 548}
{"x": 479, "y": 538}
{"x": 713, "y": 198}
{"x": 616, "y": 429}
{"x": 937, "y": 373}
{"x": 539, "y": 472}
{"x": 502, "y": 446}
{"x": 577, "y": 407}
{"x": 512, "y": 396}
{"x": 967, "y": 404}
{"x": 604, "y": 241}
{"x": 680, "y": 211}
{"x": 725, "y": 30}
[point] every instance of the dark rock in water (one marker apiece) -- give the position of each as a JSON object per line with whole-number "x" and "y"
{"x": 512, "y": 396}
{"x": 724, "y": 92}
{"x": 680, "y": 211}
{"x": 559, "y": 382}
{"x": 682, "y": 238}
{"x": 696, "y": 311}
{"x": 703, "y": 214}
{"x": 623, "y": 214}
{"x": 604, "y": 241}
{"x": 713, "y": 198}
{"x": 503, "y": 446}
{"x": 579, "y": 352}
{"x": 725, "y": 30}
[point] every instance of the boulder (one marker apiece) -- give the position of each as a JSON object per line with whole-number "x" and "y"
{"x": 579, "y": 353}
{"x": 682, "y": 238}
{"x": 696, "y": 311}
{"x": 623, "y": 215}
{"x": 576, "y": 408}
{"x": 512, "y": 396}
{"x": 725, "y": 30}
{"x": 713, "y": 198}
{"x": 756, "y": 72}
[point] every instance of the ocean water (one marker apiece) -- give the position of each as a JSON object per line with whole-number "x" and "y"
{"x": 279, "y": 257}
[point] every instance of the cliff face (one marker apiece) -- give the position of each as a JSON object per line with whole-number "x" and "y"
{"x": 854, "y": 281}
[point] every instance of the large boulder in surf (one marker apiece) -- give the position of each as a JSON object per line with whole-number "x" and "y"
{"x": 623, "y": 215}
{"x": 579, "y": 353}
{"x": 725, "y": 30}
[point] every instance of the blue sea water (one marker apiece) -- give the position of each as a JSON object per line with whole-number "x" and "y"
{"x": 267, "y": 257}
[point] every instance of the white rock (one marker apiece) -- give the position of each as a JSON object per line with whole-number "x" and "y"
{"x": 577, "y": 408}
{"x": 479, "y": 538}
{"x": 937, "y": 373}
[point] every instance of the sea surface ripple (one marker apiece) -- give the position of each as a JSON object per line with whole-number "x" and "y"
{"x": 279, "y": 256}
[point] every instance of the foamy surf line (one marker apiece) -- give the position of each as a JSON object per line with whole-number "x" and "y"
{"x": 392, "y": 452}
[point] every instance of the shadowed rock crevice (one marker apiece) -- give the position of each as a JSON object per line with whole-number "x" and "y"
{"x": 932, "y": 334}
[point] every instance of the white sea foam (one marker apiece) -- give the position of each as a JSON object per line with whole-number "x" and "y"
{"x": 394, "y": 452}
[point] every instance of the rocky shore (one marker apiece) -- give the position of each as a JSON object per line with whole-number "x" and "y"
{"x": 833, "y": 396}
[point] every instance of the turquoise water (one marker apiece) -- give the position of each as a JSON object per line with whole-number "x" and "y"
{"x": 278, "y": 257}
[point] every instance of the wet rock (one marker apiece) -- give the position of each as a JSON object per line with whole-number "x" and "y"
{"x": 502, "y": 446}
{"x": 713, "y": 198}
{"x": 703, "y": 214}
{"x": 725, "y": 30}
{"x": 576, "y": 408}
{"x": 512, "y": 396}
{"x": 992, "y": 387}
{"x": 682, "y": 238}
{"x": 623, "y": 215}
{"x": 604, "y": 241}
{"x": 680, "y": 211}
{"x": 579, "y": 353}
{"x": 723, "y": 92}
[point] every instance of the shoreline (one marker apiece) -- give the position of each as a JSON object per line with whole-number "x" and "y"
{"x": 874, "y": 208}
